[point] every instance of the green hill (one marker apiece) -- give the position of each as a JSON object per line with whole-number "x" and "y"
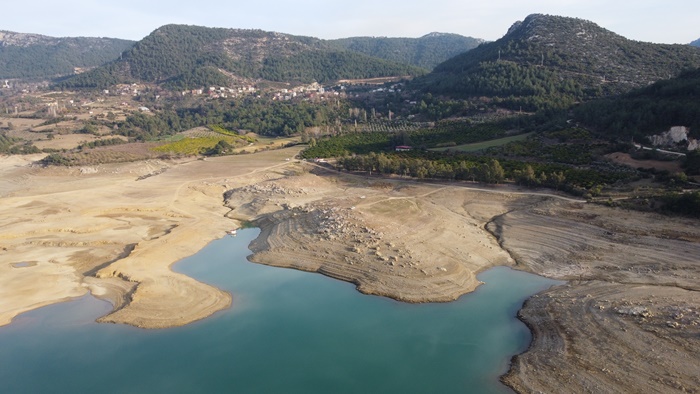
{"x": 426, "y": 52}
{"x": 192, "y": 56}
{"x": 550, "y": 61}
{"x": 647, "y": 111}
{"x": 696, "y": 43}
{"x": 36, "y": 56}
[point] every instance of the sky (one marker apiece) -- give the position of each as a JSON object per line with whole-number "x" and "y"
{"x": 659, "y": 21}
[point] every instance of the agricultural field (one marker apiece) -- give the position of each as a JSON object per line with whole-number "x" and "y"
{"x": 214, "y": 140}
{"x": 262, "y": 143}
{"x": 59, "y": 135}
{"x": 19, "y": 127}
{"x": 105, "y": 154}
{"x": 197, "y": 132}
{"x": 201, "y": 139}
{"x": 67, "y": 141}
{"x": 475, "y": 147}
{"x": 383, "y": 127}
{"x": 75, "y": 120}
{"x": 191, "y": 146}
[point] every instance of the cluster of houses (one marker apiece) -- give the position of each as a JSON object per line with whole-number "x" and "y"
{"x": 386, "y": 90}
{"x": 221, "y": 92}
{"x": 124, "y": 90}
{"x": 312, "y": 91}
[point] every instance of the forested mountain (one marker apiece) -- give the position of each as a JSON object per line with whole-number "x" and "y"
{"x": 192, "y": 56}
{"x": 647, "y": 111}
{"x": 36, "y": 56}
{"x": 551, "y": 61}
{"x": 427, "y": 51}
{"x": 696, "y": 43}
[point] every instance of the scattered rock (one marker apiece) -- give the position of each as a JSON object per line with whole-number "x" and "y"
{"x": 633, "y": 311}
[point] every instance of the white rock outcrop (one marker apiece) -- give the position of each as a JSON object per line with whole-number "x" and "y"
{"x": 673, "y": 137}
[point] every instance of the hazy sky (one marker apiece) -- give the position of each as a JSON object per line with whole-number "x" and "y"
{"x": 667, "y": 21}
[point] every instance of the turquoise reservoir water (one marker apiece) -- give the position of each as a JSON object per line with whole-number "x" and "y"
{"x": 287, "y": 332}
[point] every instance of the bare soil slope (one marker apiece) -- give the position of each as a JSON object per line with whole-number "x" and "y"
{"x": 410, "y": 242}
{"x": 629, "y": 320}
{"x": 115, "y": 230}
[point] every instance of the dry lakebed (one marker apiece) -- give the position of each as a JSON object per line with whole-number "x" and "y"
{"x": 627, "y": 319}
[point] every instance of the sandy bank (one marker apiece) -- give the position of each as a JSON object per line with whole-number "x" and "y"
{"x": 115, "y": 230}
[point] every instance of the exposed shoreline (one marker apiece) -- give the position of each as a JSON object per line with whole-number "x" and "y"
{"x": 150, "y": 217}
{"x": 629, "y": 317}
{"x": 414, "y": 242}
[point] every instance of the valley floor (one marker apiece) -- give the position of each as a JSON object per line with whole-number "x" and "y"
{"x": 628, "y": 319}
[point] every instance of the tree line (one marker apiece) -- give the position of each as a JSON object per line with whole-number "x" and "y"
{"x": 647, "y": 111}
{"x": 260, "y": 116}
{"x": 424, "y": 165}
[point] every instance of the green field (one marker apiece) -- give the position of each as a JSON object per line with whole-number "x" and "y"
{"x": 194, "y": 145}
{"x": 483, "y": 145}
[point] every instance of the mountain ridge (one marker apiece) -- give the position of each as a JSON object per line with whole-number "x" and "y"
{"x": 187, "y": 56}
{"x": 649, "y": 110}
{"x": 426, "y": 51}
{"x": 28, "y": 55}
{"x": 560, "y": 58}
